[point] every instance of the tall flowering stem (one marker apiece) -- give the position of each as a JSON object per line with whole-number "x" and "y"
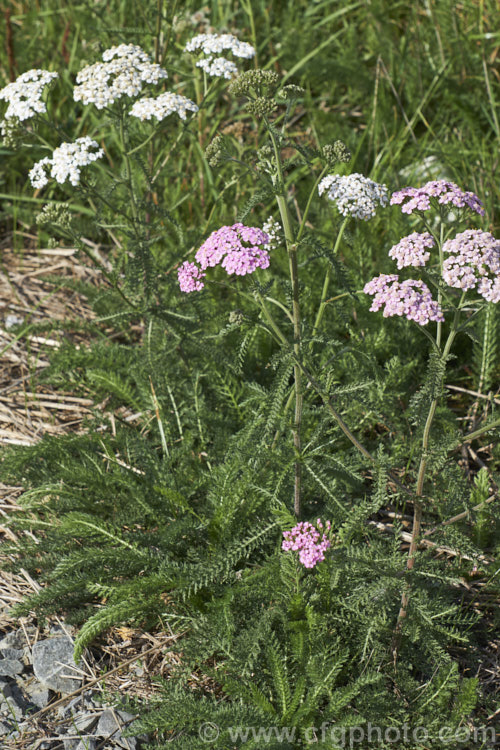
{"x": 291, "y": 246}
{"x": 419, "y": 491}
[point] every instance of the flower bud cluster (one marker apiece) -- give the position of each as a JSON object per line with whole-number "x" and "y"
{"x": 336, "y": 152}
{"x": 354, "y": 194}
{"x": 125, "y": 70}
{"x": 54, "y": 213}
{"x": 411, "y": 299}
{"x": 254, "y": 81}
{"x": 419, "y": 199}
{"x": 24, "y": 95}
{"x": 411, "y": 250}
{"x": 216, "y": 152}
{"x": 291, "y": 91}
{"x": 162, "y": 106}
{"x": 238, "y": 249}
{"x": 309, "y": 541}
{"x": 66, "y": 162}
{"x": 473, "y": 263}
{"x": 261, "y": 106}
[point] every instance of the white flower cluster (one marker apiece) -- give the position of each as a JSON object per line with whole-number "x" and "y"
{"x": 25, "y": 94}
{"x": 273, "y": 229}
{"x": 219, "y": 67}
{"x": 355, "y": 195}
{"x": 124, "y": 71}
{"x": 162, "y": 106}
{"x": 214, "y": 44}
{"x": 66, "y": 162}
{"x": 211, "y": 45}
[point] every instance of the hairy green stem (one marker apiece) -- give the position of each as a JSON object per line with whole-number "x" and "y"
{"x": 291, "y": 246}
{"x": 418, "y": 506}
{"x": 326, "y": 283}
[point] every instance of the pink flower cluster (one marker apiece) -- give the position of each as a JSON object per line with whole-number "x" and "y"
{"x": 411, "y": 298}
{"x": 309, "y": 541}
{"x": 411, "y": 250}
{"x": 238, "y": 249}
{"x": 442, "y": 190}
{"x": 475, "y": 255}
{"x": 189, "y": 276}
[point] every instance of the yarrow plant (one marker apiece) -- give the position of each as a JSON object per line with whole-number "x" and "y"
{"x": 66, "y": 162}
{"x": 354, "y": 194}
{"x": 124, "y": 71}
{"x": 441, "y": 191}
{"x": 24, "y": 95}
{"x": 238, "y": 249}
{"x": 211, "y": 45}
{"x": 473, "y": 263}
{"x": 162, "y": 106}
{"x": 470, "y": 260}
{"x": 411, "y": 299}
{"x": 311, "y": 542}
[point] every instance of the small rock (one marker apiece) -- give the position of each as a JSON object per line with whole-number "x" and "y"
{"x": 10, "y": 667}
{"x": 5, "y": 728}
{"x": 39, "y": 695}
{"x": 54, "y": 666}
{"x": 13, "y": 320}
{"x": 13, "y": 639}
{"x": 85, "y": 722}
{"x": 109, "y": 724}
{"x": 12, "y": 653}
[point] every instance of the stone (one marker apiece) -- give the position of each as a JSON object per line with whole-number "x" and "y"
{"x": 12, "y": 653}
{"x": 39, "y": 695}
{"x": 10, "y": 667}
{"x": 14, "y": 639}
{"x": 109, "y": 724}
{"x": 85, "y": 722}
{"x": 54, "y": 666}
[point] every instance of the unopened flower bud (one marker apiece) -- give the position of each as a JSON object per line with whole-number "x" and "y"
{"x": 291, "y": 92}
{"x": 254, "y": 81}
{"x": 261, "y": 107}
{"x": 336, "y": 152}
{"x": 216, "y": 151}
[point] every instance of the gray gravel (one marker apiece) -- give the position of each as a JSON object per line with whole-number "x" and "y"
{"x": 31, "y": 679}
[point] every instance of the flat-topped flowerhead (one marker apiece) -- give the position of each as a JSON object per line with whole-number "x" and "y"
{"x": 238, "y": 249}
{"x": 444, "y": 192}
{"x": 411, "y": 299}
{"x": 218, "y": 67}
{"x": 214, "y": 44}
{"x": 24, "y": 95}
{"x": 162, "y": 106}
{"x": 473, "y": 263}
{"x": 66, "y": 162}
{"x": 309, "y": 541}
{"x": 354, "y": 194}
{"x": 411, "y": 250}
{"x": 123, "y": 72}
